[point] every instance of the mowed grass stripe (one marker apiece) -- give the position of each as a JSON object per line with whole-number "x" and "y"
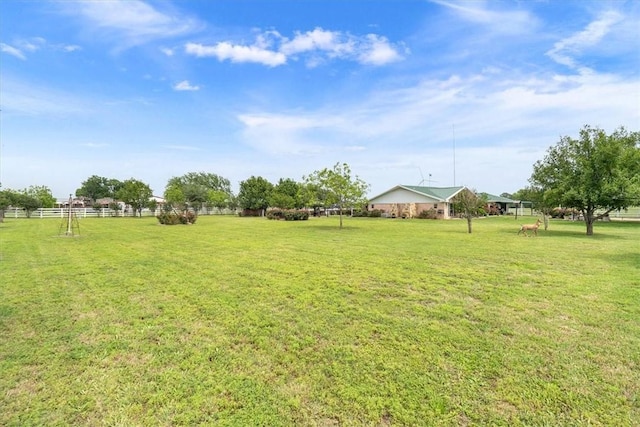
{"x": 245, "y": 321}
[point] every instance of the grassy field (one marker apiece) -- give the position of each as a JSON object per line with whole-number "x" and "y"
{"x": 244, "y": 321}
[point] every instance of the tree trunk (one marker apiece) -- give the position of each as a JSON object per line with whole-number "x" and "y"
{"x": 589, "y": 219}
{"x": 469, "y": 224}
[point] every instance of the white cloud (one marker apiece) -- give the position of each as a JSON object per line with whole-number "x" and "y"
{"x": 501, "y": 126}
{"x": 131, "y": 22}
{"x": 565, "y": 50}
{"x": 29, "y": 99}
{"x": 272, "y": 49}
{"x": 167, "y": 51}
{"x": 477, "y": 12}
{"x": 33, "y": 44}
{"x": 318, "y": 39}
{"x": 185, "y": 86}
{"x": 12, "y": 51}
{"x": 379, "y": 51}
{"x": 70, "y": 47}
{"x": 237, "y": 53}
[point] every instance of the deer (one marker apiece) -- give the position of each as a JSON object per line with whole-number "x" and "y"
{"x": 530, "y": 227}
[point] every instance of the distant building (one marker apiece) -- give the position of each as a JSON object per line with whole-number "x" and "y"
{"x": 407, "y": 201}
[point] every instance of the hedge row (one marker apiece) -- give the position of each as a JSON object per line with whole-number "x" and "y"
{"x": 288, "y": 215}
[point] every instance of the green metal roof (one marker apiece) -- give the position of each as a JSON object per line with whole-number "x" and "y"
{"x": 498, "y": 199}
{"x": 442, "y": 193}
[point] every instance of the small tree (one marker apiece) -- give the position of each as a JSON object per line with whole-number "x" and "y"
{"x": 470, "y": 205}
{"x": 536, "y": 196}
{"x": 28, "y": 203}
{"x": 217, "y": 199}
{"x": 595, "y": 174}
{"x": 254, "y": 193}
{"x": 338, "y": 187}
{"x": 115, "y": 208}
{"x": 135, "y": 194}
{"x": 153, "y": 206}
{"x": 42, "y": 193}
{"x": 7, "y": 198}
{"x": 195, "y": 196}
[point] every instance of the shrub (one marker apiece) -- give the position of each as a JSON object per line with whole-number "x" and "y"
{"x": 275, "y": 214}
{"x": 288, "y": 215}
{"x": 296, "y": 215}
{"x": 375, "y": 213}
{"x": 428, "y": 214}
{"x": 174, "y": 218}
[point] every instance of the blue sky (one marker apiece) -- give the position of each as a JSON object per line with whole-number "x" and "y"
{"x": 406, "y": 92}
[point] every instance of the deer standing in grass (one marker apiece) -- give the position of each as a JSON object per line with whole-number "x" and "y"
{"x": 530, "y": 227}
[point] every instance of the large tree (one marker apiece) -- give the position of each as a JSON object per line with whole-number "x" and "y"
{"x": 469, "y": 204}
{"x": 255, "y": 193}
{"x": 98, "y": 187}
{"x": 135, "y": 194}
{"x": 195, "y": 188}
{"x": 595, "y": 174}
{"x": 210, "y": 181}
{"x": 338, "y": 187}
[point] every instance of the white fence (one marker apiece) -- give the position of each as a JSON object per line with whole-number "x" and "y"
{"x": 96, "y": 213}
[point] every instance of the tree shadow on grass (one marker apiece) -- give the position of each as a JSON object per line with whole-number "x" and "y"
{"x": 582, "y": 233}
{"x": 336, "y": 228}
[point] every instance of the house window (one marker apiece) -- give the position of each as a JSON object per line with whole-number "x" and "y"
{"x": 371, "y": 206}
{"x": 435, "y": 206}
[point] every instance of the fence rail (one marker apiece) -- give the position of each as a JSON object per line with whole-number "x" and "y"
{"x": 96, "y": 213}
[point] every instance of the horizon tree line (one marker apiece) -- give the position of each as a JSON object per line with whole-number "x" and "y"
{"x": 594, "y": 174}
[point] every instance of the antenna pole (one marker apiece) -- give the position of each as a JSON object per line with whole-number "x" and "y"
{"x": 454, "y": 155}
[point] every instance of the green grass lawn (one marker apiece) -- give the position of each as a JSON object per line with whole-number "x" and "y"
{"x": 244, "y": 321}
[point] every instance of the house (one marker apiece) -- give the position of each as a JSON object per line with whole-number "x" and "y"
{"x": 407, "y": 201}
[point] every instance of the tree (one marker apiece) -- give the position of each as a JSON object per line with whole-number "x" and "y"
{"x": 536, "y": 196}
{"x": 28, "y": 203}
{"x": 98, "y": 187}
{"x": 195, "y": 196}
{"x": 42, "y": 193}
{"x": 595, "y": 174}
{"x": 217, "y": 199}
{"x": 7, "y": 198}
{"x": 210, "y": 181}
{"x": 174, "y": 197}
{"x": 196, "y": 187}
{"x": 338, "y": 187}
{"x": 286, "y": 195}
{"x": 153, "y": 206}
{"x": 135, "y": 194}
{"x": 469, "y": 204}
{"x": 254, "y": 193}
